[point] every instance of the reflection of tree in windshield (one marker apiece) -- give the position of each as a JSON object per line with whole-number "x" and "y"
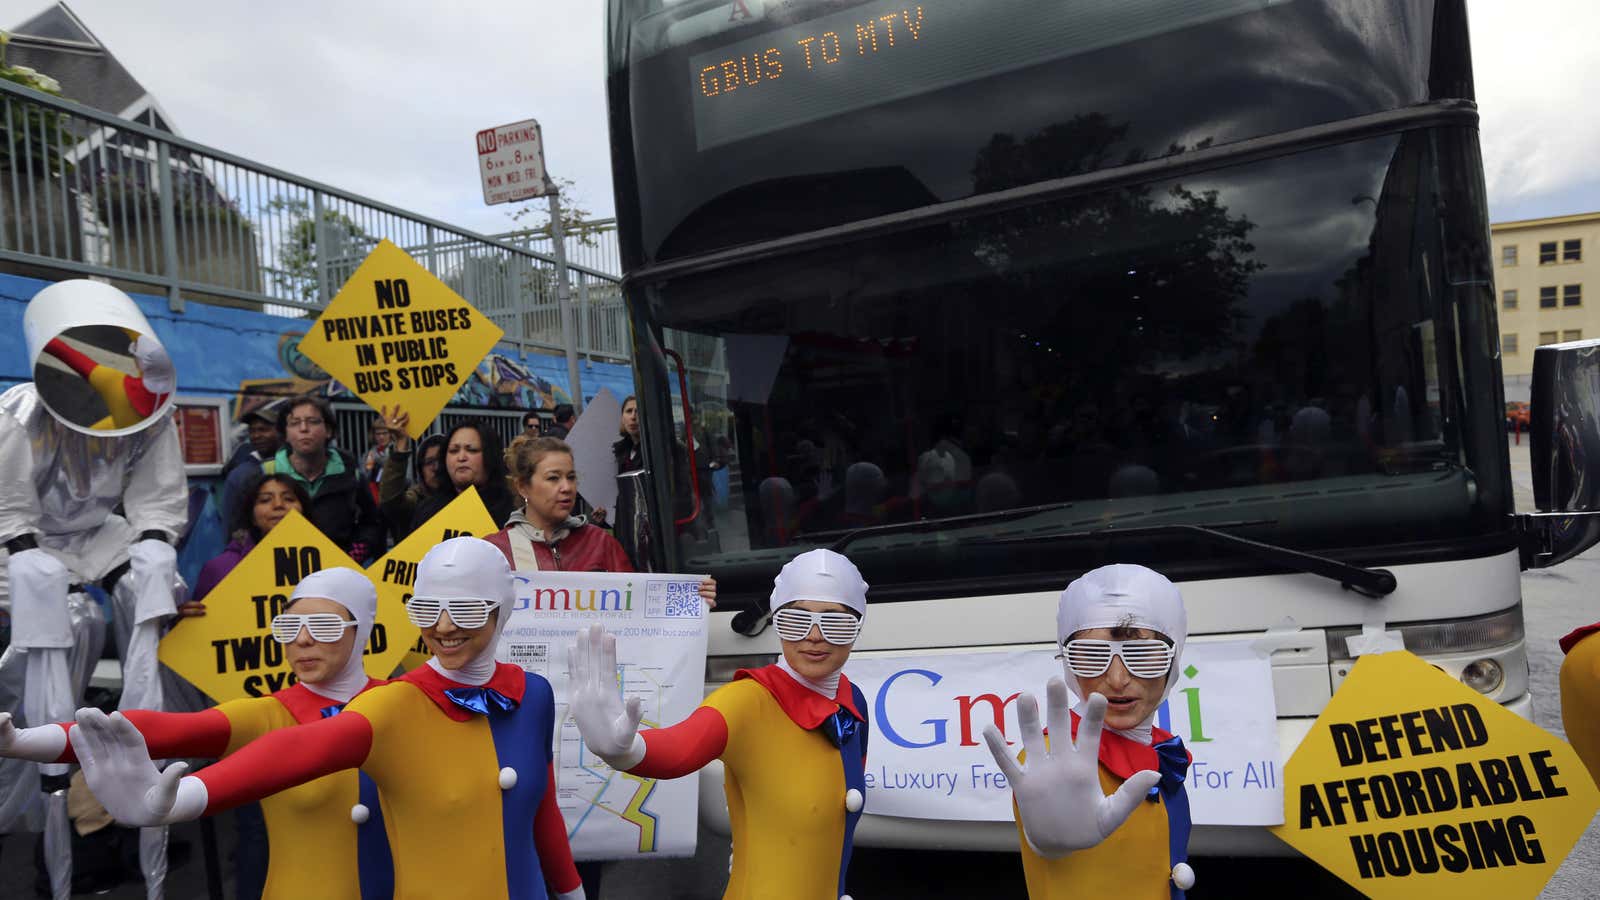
{"x": 1149, "y": 277}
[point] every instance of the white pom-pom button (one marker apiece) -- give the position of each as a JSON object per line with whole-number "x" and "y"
{"x": 359, "y": 814}
{"x": 853, "y": 800}
{"x": 1183, "y": 876}
{"x": 508, "y": 778}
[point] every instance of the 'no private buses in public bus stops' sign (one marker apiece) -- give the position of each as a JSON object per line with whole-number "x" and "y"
{"x": 397, "y": 335}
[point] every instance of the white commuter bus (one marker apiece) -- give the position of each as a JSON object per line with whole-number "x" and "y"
{"x": 987, "y": 293}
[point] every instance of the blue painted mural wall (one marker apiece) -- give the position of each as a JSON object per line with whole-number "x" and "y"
{"x": 220, "y": 351}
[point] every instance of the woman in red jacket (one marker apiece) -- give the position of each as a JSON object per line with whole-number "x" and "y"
{"x": 544, "y": 534}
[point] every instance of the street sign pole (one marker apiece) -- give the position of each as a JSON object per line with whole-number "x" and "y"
{"x": 511, "y": 162}
{"x": 569, "y": 330}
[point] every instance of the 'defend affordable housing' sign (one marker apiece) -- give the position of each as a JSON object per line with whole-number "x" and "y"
{"x": 1411, "y": 784}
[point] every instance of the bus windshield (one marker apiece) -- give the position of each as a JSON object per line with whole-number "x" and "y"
{"x": 1295, "y": 346}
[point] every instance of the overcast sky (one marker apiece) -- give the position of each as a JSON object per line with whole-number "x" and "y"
{"x": 383, "y": 99}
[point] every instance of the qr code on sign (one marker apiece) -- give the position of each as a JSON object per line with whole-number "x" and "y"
{"x": 674, "y": 600}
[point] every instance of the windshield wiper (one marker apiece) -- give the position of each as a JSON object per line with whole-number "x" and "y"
{"x": 945, "y": 524}
{"x": 1364, "y": 581}
{"x": 1368, "y": 582}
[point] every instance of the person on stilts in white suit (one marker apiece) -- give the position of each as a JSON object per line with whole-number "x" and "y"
{"x": 92, "y": 490}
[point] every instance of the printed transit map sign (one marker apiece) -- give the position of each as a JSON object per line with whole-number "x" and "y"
{"x": 660, "y": 625}
{"x": 396, "y": 334}
{"x": 229, "y": 652}
{"x": 1411, "y": 784}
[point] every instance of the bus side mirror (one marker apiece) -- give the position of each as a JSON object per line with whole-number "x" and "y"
{"x": 1564, "y": 432}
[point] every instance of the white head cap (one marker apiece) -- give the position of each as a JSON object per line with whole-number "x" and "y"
{"x": 820, "y": 575}
{"x": 355, "y": 592}
{"x": 1122, "y": 595}
{"x": 155, "y": 366}
{"x": 469, "y": 568}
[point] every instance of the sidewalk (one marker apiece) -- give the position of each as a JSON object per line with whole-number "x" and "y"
{"x": 1521, "y": 472}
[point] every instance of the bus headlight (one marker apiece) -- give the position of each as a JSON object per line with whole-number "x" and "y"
{"x": 1483, "y": 675}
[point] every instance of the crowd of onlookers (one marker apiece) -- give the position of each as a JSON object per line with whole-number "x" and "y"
{"x": 365, "y": 504}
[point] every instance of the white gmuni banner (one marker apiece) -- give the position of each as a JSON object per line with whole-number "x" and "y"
{"x": 926, "y": 758}
{"x": 660, "y": 625}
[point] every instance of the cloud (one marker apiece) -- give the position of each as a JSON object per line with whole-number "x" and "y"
{"x": 1535, "y": 66}
{"x": 383, "y": 100}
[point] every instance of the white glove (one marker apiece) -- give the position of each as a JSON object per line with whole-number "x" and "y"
{"x": 153, "y": 575}
{"x": 1058, "y": 793}
{"x": 574, "y": 894}
{"x": 610, "y": 726}
{"x": 39, "y": 616}
{"x": 41, "y": 744}
{"x": 116, "y": 764}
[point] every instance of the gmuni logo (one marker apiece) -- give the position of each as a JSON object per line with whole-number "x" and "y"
{"x": 611, "y": 600}
{"x": 904, "y": 695}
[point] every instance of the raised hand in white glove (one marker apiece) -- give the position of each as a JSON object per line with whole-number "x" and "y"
{"x": 574, "y": 894}
{"x": 610, "y": 726}
{"x": 116, "y": 764}
{"x": 153, "y": 575}
{"x": 41, "y": 744}
{"x": 39, "y": 585}
{"x": 1058, "y": 793}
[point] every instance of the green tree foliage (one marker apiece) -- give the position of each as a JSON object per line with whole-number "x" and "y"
{"x": 345, "y": 244}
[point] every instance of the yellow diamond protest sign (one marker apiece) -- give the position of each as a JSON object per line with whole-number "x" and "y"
{"x": 229, "y": 652}
{"x": 465, "y": 515}
{"x": 396, "y": 334}
{"x": 1411, "y": 784}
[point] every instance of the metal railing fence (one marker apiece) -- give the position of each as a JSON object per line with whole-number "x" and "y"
{"x": 85, "y": 192}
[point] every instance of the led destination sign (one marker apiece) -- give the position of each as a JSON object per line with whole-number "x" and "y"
{"x": 890, "y": 49}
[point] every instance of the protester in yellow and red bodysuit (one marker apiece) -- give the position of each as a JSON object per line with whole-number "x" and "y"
{"x": 316, "y": 851}
{"x": 460, "y": 749}
{"x": 792, "y": 735}
{"x": 1121, "y": 630}
{"x": 1580, "y": 695}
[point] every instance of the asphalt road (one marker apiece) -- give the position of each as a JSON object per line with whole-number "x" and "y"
{"x": 1554, "y": 602}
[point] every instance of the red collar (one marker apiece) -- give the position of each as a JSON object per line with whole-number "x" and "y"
{"x": 805, "y": 707}
{"x": 1123, "y": 757}
{"x": 507, "y": 679}
{"x": 1571, "y": 640}
{"x": 306, "y": 705}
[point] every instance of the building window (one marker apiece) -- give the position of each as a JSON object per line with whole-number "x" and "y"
{"x": 1572, "y": 251}
{"x": 1572, "y": 334}
{"x": 1547, "y": 297}
{"x": 1508, "y": 255}
{"x": 1547, "y": 337}
{"x": 1508, "y": 299}
{"x": 1508, "y": 344}
{"x": 1547, "y": 253}
{"x": 1572, "y": 295}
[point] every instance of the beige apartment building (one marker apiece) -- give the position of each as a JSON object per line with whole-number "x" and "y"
{"x": 1547, "y": 285}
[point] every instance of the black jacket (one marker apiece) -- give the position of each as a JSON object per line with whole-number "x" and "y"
{"x": 496, "y": 497}
{"x": 342, "y": 507}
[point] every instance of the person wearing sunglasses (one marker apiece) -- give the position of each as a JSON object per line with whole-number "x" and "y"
{"x": 792, "y": 735}
{"x": 1105, "y": 810}
{"x": 316, "y": 850}
{"x": 460, "y": 750}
